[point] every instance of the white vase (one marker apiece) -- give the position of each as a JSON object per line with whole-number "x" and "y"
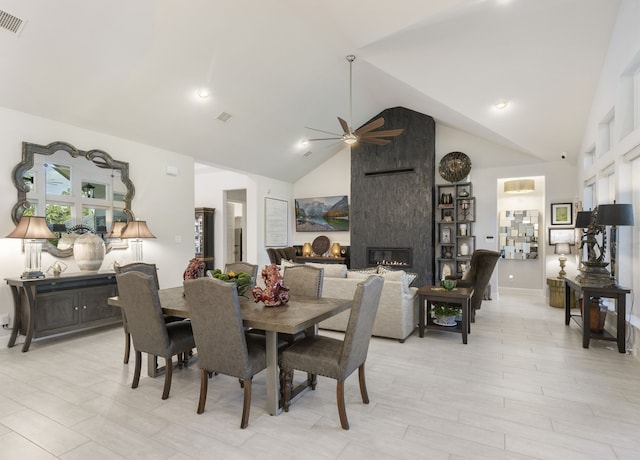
{"x": 88, "y": 251}
{"x": 464, "y": 249}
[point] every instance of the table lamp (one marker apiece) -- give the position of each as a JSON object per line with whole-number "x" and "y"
{"x": 307, "y": 250}
{"x": 136, "y": 230}
{"x": 335, "y": 250}
{"x": 31, "y": 229}
{"x": 562, "y": 249}
{"x": 614, "y": 215}
{"x": 116, "y": 229}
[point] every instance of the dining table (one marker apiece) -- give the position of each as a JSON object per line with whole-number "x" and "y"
{"x": 298, "y": 314}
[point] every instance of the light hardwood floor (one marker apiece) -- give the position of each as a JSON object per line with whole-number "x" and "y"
{"x": 523, "y": 388}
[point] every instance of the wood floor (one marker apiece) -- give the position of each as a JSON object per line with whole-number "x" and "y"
{"x": 523, "y": 388}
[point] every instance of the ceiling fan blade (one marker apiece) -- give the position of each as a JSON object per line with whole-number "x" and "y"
{"x": 325, "y": 138}
{"x": 344, "y": 125}
{"x": 322, "y": 131}
{"x": 375, "y": 124}
{"x": 387, "y": 133}
{"x": 373, "y": 140}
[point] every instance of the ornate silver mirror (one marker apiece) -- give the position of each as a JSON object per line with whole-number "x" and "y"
{"x": 73, "y": 189}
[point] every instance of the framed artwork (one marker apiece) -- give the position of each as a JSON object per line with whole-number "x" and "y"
{"x": 322, "y": 214}
{"x": 561, "y": 235}
{"x": 561, "y": 214}
{"x": 276, "y": 222}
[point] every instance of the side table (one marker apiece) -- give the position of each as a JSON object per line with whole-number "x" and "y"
{"x": 556, "y": 292}
{"x": 428, "y": 295}
{"x": 612, "y": 292}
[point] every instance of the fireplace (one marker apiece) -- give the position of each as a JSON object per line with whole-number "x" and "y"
{"x": 390, "y": 257}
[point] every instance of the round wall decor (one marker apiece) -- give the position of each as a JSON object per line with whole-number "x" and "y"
{"x": 454, "y": 166}
{"x": 320, "y": 245}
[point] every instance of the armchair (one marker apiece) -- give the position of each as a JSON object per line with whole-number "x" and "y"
{"x": 483, "y": 262}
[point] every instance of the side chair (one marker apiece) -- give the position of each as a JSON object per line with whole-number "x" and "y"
{"x": 223, "y": 347}
{"x": 334, "y": 358}
{"x": 149, "y": 332}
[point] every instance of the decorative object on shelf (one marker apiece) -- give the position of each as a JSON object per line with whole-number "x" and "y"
{"x": 31, "y": 229}
{"x": 447, "y": 217}
{"x": 463, "y": 229}
{"x": 447, "y": 252}
{"x": 445, "y": 314}
{"x": 464, "y": 193}
{"x": 464, "y": 209}
{"x": 519, "y": 186}
{"x": 445, "y": 235}
{"x": 275, "y": 292}
{"x": 446, "y": 271}
{"x": 335, "y": 250}
{"x": 593, "y": 271}
{"x": 57, "y": 268}
{"x": 448, "y": 285}
{"x": 446, "y": 199}
{"x": 136, "y": 230}
{"x": 88, "y": 251}
{"x": 614, "y": 215}
{"x": 454, "y": 166}
{"x": 307, "y": 250}
{"x": 242, "y": 280}
{"x": 563, "y": 249}
{"x": 320, "y": 245}
{"x": 561, "y": 214}
{"x": 464, "y": 249}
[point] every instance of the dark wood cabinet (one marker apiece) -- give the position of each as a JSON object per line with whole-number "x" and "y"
{"x": 55, "y": 305}
{"x": 204, "y": 242}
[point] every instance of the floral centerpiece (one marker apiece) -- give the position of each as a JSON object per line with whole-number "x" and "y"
{"x": 243, "y": 280}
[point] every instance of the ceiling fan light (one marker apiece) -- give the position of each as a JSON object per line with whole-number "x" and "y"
{"x": 349, "y": 139}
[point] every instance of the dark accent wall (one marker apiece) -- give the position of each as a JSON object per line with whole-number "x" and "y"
{"x": 392, "y": 192}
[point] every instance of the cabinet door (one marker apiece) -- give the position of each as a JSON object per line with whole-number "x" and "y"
{"x": 55, "y": 310}
{"x": 93, "y": 303}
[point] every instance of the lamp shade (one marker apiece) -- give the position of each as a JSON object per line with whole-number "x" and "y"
{"x": 615, "y": 214}
{"x": 519, "y": 186}
{"x": 31, "y": 228}
{"x": 562, "y": 248}
{"x": 583, "y": 219}
{"x": 137, "y": 229}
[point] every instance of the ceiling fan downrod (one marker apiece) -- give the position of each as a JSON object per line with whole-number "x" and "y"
{"x": 351, "y": 58}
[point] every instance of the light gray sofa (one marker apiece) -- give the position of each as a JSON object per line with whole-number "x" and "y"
{"x": 397, "y": 315}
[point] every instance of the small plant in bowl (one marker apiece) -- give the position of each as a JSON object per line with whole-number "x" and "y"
{"x": 243, "y": 280}
{"x": 448, "y": 285}
{"x": 445, "y": 313}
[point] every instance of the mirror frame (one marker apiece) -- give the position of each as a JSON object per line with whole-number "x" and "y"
{"x": 99, "y": 158}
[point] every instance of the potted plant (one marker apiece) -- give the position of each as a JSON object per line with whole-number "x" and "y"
{"x": 445, "y": 313}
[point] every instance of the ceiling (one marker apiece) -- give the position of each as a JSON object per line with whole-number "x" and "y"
{"x": 131, "y": 69}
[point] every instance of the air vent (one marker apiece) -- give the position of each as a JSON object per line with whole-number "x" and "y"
{"x": 224, "y": 116}
{"x": 307, "y": 153}
{"x": 11, "y": 23}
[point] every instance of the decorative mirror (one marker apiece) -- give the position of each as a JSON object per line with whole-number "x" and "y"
{"x": 73, "y": 189}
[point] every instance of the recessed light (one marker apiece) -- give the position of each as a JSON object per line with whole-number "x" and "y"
{"x": 304, "y": 142}
{"x": 501, "y": 104}
{"x": 203, "y": 93}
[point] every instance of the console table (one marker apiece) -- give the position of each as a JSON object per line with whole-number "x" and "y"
{"x": 67, "y": 303}
{"x": 617, "y": 293}
{"x": 320, "y": 259}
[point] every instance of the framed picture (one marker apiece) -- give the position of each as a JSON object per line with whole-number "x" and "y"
{"x": 562, "y": 235}
{"x": 322, "y": 214}
{"x": 561, "y": 214}
{"x": 276, "y": 222}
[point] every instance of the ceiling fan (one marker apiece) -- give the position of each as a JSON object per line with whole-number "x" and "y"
{"x": 364, "y": 134}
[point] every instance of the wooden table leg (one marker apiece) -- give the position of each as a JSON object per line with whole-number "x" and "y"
{"x": 421, "y": 315}
{"x": 465, "y": 320}
{"x": 273, "y": 376}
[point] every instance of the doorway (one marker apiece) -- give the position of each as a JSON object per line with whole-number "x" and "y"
{"x": 235, "y": 225}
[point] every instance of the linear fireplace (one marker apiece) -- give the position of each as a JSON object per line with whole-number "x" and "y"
{"x": 392, "y": 257}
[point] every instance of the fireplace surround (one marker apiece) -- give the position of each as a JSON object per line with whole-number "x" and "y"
{"x": 400, "y": 258}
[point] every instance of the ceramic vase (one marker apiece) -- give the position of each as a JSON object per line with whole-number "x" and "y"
{"x": 88, "y": 251}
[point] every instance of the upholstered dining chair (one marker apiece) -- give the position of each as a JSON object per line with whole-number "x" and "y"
{"x": 334, "y": 358}
{"x": 222, "y": 344}
{"x": 477, "y": 276}
{"x": 149, "y": 332}
{"x": 147, "y": 269}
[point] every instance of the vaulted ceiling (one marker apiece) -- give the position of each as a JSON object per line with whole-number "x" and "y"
{"x": 131, "y": 69}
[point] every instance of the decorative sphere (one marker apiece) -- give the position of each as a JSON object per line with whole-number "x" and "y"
{"x": 448, "y": 284}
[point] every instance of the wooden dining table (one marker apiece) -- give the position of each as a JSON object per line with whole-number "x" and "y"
{"x": 299, "y": 314}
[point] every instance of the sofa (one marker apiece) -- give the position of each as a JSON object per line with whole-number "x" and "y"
{"x": 397, "y": 315}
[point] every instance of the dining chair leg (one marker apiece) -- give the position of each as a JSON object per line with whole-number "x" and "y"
{"x": 288, "y": 383}
{"x": 313, "y": 380}
{"x": 204, "y": 382}
{"x": 127, "y": 347}
{"x": 342, "y": 411}
{"x": 136, "y": 373}
{"x": 246, "y": 406}
{"x": 167, "y": 377}
{"x": 363, "y": 385}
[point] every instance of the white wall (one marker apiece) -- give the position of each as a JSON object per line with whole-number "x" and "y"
{"x": 165, "y": 202}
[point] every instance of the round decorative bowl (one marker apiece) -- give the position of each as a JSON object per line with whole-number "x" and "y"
{"x": 448, "y": 285}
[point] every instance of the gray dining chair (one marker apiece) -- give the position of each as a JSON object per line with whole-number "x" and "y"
{"x": 223, "y": 347}
{"x": 149, "y": 332}
{"x": 334, "y": 358}
{"x": 245, "y": 267}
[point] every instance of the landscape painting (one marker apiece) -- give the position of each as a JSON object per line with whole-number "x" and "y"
{"x": 326, "y": 214}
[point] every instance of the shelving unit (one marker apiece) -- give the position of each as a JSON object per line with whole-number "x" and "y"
{"x": 204, "y": 236}
{"x": 455, "y": 215}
